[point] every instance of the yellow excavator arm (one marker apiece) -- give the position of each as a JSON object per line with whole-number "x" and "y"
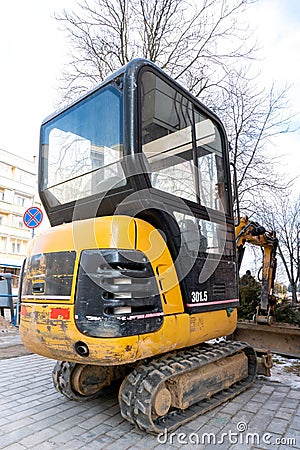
{"x": 248, "y": 231}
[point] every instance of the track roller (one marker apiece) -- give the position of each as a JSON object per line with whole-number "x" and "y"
{"x": 82, "y": 382}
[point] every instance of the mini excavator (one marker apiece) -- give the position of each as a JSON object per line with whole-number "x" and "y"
{"x": 138, "y": 270}
{"x": 251, "y": 232}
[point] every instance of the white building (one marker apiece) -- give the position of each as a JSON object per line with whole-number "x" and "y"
{"x": 18, "y": 191}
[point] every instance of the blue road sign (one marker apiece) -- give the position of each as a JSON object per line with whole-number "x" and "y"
{"x": 33, "y": 217}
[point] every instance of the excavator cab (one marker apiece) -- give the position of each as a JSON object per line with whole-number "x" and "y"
{"x": 139, "y": 265}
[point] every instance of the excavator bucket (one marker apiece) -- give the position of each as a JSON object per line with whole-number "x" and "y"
{"x": 282, "y": 338}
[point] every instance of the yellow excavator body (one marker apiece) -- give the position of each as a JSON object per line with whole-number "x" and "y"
{"x": 48, "y": 324}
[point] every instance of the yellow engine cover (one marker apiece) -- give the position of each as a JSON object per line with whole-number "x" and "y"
{"x": 48, "y": 325}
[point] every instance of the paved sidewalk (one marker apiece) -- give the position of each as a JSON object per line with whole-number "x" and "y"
{"x": 35, "y": 416}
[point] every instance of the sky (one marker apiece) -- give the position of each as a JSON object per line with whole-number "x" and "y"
{"x": 33, "y": 51}
{"x": 277, "y": 25}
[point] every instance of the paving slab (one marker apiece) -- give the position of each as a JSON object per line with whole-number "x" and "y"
{"x": 35, "y": 416}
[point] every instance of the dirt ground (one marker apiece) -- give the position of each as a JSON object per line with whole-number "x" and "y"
{"x": 13, "y": 351}
{"x": 10, "y": 342}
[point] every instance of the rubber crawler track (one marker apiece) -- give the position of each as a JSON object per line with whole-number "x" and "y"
{"x": 62, "y": 375}
{"x": 140, "y": 386}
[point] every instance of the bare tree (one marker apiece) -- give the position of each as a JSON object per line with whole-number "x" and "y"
{"x": 283, "y": 215}
{"x": 203, "y": 44}
{"x": 253, "y": 118}
{"x": 196, "y": 43}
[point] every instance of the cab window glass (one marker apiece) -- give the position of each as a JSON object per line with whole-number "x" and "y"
{"x": 82, "y": 148}
{"x": 182, "y": 146}
{"x": 203, "y": 236}
{"x": 167, "y": 137}
{"x": 210, "y": 163}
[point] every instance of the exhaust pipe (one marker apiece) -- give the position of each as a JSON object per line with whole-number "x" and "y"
{"x": 82, "y": 349}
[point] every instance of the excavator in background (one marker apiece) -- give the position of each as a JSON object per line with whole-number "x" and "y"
{"x": 250, "y": 232}
{"x": 278, "y": 338}
{"x": 138, "y": 270}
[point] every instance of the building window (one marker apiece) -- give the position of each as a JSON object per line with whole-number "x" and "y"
{"x": 18, "y": 222}
{"x": 5, "y": 170}
{"x": 20, "y": 200}
{"x": 2, "y": 244}
{"x": 1, "y": 194}
{"x": 24, "y": 177}
{"x": 3, "y": 219}
{"x": 16, "y": 247}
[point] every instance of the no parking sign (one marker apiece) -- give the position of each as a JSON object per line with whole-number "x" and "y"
{"x": 33, "y": 217}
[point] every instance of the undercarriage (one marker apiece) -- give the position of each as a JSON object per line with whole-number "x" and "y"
{"x": 170, "y": 390}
